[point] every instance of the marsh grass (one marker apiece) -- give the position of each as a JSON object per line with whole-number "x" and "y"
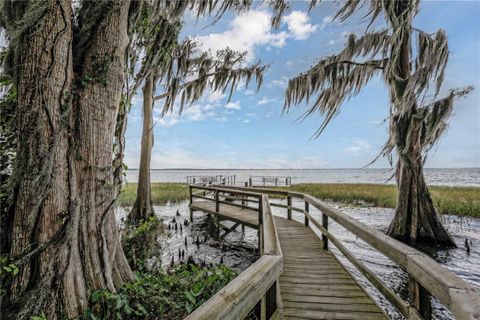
{"x": 462, "y": 201}
{"x": 161, "y": 193}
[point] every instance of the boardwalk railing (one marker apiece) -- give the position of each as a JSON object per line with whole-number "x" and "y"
{"x": 272, "y": 181}
{"x": 218, "y": 179}
{"x": 426, "y": 276}
{"x": 255, "y": 289}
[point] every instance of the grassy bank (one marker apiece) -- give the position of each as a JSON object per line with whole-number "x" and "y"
{"x": 161, "y": 193}
{"x": 448, "y": 200}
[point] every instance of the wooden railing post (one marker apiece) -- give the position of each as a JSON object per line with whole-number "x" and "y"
{"x": 191, "y": 202}
{"x": 217, "y": 202}
{"x": 307, "y": 209}
{"x": 289, "y": 210}
{"x": 420, "y": 298}
{"x": 249, "y": 182}
{"x": 324, "y": 237}
{"x": 271, "y": 301}
{"x": 191, "y": 194}
{"x": 260, "y": 225}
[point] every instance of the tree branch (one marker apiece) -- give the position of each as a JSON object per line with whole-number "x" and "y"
{"x": 186, "y": 84}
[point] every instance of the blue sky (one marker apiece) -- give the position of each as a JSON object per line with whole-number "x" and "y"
{"x": 252, "y": 132}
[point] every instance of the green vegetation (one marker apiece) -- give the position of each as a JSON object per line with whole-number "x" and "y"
{"x": 462, "y": 201}
{"x": 169, "y": 295}
{"x": 141, "y": 247}
{"x": 161, "y": 193}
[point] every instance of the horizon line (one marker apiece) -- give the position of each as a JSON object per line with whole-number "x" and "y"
{"x": 359, "y": 168}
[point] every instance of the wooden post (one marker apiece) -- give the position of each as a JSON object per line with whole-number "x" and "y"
{"x": 249, "y": 182}
{"x": 420, "y": 298}
{"x": 289, "y": 211}
{"x": 263, "y": 309}
{"x": 271, "y": 301}
{"x": 324, "y": 237}
{"x": 260, "y": 225}
{"x": 191, "y": 201}
{"x": 217, "y": 202}
{"x": 246, "y": 184}
{"x": 307, "y": 210}
{"x": 286, "y": 181}
{"x": 193, "y": 180}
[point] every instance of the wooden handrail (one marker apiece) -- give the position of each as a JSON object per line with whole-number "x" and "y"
{"x": 462, "y": 298}
{"x": 239, "y": 297}
{"x": 258, "y": 284}
{"x": 264, "y": 191}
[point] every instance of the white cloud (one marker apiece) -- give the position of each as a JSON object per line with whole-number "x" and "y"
{"x": 215, "y": 96}
{"x": 329, "y": 20}
{"x": 358, "y": 146}
{"x": 281, "y": 83}
{"x": 298, "y": 24}
{"x": 249, "y": 92}
{"x": 245, "y": 32}
{"x": 265, "y": 100}
{"x": 253, "y": 28}
{"x": 178, "y": 157}
{"x": 233, "y": 105}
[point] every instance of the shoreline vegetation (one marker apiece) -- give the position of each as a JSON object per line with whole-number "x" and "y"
{"x": 460, "y": 201}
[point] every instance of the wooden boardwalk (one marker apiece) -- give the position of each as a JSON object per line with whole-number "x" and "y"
{"x": 313, "y": 284}
{"x": 228, "y": 212}
{"x": 297, "y": 277}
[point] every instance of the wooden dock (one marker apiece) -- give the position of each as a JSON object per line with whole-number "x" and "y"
{"x": 313, "y": 284}
{"x": 243, "y": 216}
{"x": 298, "y": 277}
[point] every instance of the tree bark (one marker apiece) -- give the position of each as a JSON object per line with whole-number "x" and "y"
{"x": 416, "y": 220}
{"x": 64, "y": 235}
{"x": 143, "y": 207}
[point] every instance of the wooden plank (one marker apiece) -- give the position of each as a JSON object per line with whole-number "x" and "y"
{"x": 295, "y": 313}
{"x": 325, "y": 299}
{"x": 332, "y": 306}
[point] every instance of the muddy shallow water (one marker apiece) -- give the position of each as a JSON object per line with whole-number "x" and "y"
{"x": 238, "y": 250}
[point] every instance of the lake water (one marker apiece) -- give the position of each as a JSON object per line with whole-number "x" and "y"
{"x": 448, "y": 177}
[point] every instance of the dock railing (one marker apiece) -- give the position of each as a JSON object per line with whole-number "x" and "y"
{"x": 256, "y": 289}
{"x": 426, "y": 276}
{"x": 217, "y": 179}
{"x": 272, "y": 181}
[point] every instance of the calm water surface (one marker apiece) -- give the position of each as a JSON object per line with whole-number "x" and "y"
{"x": 238, "y": 250}
{"x": 449, "y": 177}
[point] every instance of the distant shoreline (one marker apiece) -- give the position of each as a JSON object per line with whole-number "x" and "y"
{"x": 239, "y": 169}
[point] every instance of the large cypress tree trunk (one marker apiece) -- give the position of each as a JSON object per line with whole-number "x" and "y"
{"x": 416, "y": 221}
{"x": 143, "y": 207}
{"x": 63, "y": 230}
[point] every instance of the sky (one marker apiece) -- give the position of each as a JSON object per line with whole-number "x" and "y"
{"x": 251, "y": 131}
